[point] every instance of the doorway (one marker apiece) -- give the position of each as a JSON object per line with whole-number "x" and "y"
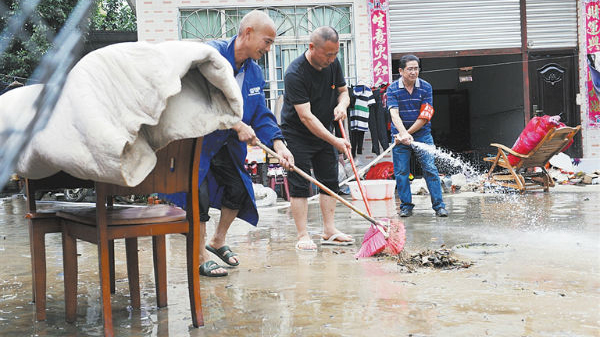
{"x": 553, "y": 79}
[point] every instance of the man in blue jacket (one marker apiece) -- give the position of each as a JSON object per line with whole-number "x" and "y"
{"x": 225, "y": 184}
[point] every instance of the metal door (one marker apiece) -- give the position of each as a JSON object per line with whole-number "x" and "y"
{"x": 553, "y": 82}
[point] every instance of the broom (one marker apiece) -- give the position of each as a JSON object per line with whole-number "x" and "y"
{"x": 373, "y": 241}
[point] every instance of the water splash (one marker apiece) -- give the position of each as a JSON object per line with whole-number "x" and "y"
{"x": 447, "y": 158}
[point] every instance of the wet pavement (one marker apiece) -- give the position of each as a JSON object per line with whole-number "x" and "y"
{"x": 535, "y": 272}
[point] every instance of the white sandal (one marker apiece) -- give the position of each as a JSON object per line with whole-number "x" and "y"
{"x": 305, "y": 243}
{"x": 333, "y": 242}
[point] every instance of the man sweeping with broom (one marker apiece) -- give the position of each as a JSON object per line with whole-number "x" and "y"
{"x": 315, "y": 96}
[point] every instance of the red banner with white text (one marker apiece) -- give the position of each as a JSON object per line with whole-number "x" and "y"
{"x": 380, "y": 50}
{"x": 592, "y": 45}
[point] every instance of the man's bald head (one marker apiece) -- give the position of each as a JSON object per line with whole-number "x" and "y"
{"x": 255, "y": 36}
{"x": 257, "y": 20}
{"x": 324, "y": 34}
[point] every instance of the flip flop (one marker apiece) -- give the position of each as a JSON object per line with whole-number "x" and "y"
{"x": 306, "y": 242}
{"x": 332, "y": 241}
{"x": 207, "y": 267}
{"x": 224, "y": 253}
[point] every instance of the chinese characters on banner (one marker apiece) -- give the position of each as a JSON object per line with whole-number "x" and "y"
{"x": 592, "y": 42}
{"x": 380, "y": 52}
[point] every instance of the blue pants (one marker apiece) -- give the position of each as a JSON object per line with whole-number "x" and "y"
{"x": 401, "y": 157}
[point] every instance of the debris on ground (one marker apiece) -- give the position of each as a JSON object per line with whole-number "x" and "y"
{"x": 439, "y": 259}
{"x": 419, "y": 187}
{"x": 264, "y": 196}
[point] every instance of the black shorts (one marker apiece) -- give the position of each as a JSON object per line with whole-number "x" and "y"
{"x": 322, "y": 157}
{"x": 226, "y": 174}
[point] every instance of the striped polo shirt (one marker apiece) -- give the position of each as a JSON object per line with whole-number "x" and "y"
{"x": 409, "y": 105}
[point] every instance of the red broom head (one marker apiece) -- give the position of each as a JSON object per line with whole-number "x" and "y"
{"x": 397, "y": 238}
{"x": 373, "y": 243}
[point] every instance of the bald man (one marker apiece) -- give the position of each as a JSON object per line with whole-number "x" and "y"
{"x": 225, "y": 184}
{"x": 315, "y": 96}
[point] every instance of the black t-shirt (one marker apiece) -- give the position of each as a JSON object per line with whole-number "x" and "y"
{"x": 303, "y": 84}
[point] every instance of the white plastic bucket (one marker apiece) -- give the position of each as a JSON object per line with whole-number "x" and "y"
{"x": 374, "y": 189}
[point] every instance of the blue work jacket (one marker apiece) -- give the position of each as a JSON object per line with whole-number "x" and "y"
{"x": 256, "y": 114}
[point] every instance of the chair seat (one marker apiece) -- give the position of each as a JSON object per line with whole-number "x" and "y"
{"x": 127, "y": 215}
{"x": 48, "y": 213}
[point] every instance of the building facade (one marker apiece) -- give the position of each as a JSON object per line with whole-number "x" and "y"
{"x": 493, "y": 64}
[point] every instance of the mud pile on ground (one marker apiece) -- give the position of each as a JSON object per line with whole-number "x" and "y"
{"x": 439, "y": 259}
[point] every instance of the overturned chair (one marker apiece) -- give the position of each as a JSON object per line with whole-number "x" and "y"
{"x": 522, "y": 176}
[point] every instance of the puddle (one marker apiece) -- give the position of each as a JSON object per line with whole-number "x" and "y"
{"x": 524, "y": 288}
{"x": 480, "y": 248}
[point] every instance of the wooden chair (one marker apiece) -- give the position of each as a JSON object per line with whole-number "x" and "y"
{"x": 42, "y": 222}
{"x": 176, "y": 171}
{"x": 521, "y": 176}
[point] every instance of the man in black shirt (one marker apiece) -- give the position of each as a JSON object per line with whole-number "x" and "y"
{"x": 315, "y": 96}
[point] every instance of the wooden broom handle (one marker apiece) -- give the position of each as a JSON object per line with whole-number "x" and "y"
{"x": 360, "y": 187}
{"x": 321, "y": 186}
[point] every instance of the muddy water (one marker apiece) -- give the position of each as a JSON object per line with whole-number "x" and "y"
{"x": 541, "y": 279}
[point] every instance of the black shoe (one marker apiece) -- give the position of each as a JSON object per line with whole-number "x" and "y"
{"x": 405, "y": 213}
{"x": 441, "y": 212}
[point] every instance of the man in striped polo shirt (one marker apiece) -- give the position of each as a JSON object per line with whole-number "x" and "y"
{"x": 410, "y": 101}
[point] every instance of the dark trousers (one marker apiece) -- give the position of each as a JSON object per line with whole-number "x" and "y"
{"x": 356, "y": 141}
{"x": 378, "y": 128}
{"x": 224, "y": 170}
{"x": 318, "y": 155}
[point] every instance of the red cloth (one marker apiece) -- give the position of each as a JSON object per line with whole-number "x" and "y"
{"x": 533, "y": 133}
{"x": 426, "y": 111}
{"x": 383, "y": 170}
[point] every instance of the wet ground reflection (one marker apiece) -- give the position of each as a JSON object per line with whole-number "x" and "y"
{"x": 543, "y": 280}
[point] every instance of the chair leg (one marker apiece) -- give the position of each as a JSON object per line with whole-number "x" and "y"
{"x": 193, "y": 265}
{"x": 32, "y": 253}
{"x": 133, "y": 272}
{"x": 491, "y": 171}
{"x": 111, "y": 258}
{"x": 159, "y": 250}
{"x": 70, "y": 275}
{"x": 546, "y": 183}
{"x": 287, "y": 189}
{"x": 104, "y": 267}
{"x": 549, "y": 182}
{"x": 38, "y": 270}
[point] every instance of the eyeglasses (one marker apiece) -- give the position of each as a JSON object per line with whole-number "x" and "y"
{"x": 412, "y": 69}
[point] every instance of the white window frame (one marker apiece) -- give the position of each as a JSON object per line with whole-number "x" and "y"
{"x": 347, "y": 45}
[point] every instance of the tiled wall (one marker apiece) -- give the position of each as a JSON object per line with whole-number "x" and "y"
{"x": 157, "y": 22}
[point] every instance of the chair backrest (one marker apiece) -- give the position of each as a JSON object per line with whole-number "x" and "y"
{"x": 552, "y": 143}
{"x": 176, "y": 170}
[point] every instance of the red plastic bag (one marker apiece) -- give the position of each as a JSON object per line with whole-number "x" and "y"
{"x": 383, "y": 170}
{"x": 533, "y": 133}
